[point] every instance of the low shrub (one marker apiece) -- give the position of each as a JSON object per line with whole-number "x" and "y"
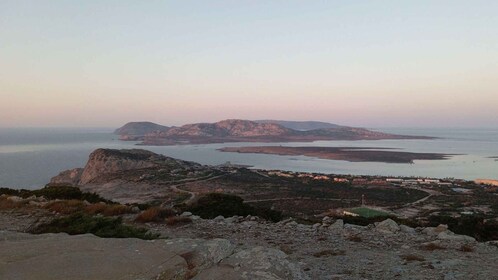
{"x": 212, "y": 205}
{"x": 154, "y": 214}
{"x": 52, "y": 192}
{"x": 472, "y": 225}
{"x": 100, "y": 226}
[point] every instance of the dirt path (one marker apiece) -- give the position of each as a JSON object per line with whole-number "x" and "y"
{"x": 192, "y": 194}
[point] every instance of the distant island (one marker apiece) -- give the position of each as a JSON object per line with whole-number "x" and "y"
{"x": 234, "y": 130}
{"x": 353, "y": 154}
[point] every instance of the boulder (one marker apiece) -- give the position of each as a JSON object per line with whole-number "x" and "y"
{"x": 448, "y": 235}
{"x": 434, "y": 231}
{"x": 255, "y": 263}
{"x": 407, "y": 229}
{"x": 219, "y": 219}
{"x": 387, "y": 226}
{"x": 337, "y": 226}
{"x": 327, "y": 220}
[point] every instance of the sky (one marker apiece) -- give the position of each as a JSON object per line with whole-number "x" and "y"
{"x": 361, "y": 63}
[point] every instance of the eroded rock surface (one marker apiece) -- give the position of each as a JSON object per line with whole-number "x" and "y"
{"x": 60, "y": 256}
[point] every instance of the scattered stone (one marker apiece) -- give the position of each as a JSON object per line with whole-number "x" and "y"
{"x": 291, "y": 224}
{"x": 255, "y": 263}
{"x": 219, "y": 219}
{"x": 448, "y": 235}
{"x": 407, "y": 229}
{"x": 186, "y": 214}
{"x": 432, "y": 231}
{"x": 337, "y": 226}
{"x": 387, "y": 226}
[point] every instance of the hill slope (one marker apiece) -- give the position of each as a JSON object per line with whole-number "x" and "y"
{"x": 301, "y": 125}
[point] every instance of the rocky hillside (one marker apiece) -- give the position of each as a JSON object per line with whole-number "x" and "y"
{"x": 136, "y": 130}
{"x": 248, "y": 248}
{"x": 227, "y": 128}
{"x": 301, "y": 125}
{"x": 133, "y": 175}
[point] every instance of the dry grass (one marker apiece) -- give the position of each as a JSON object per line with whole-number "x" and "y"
{"x": 326, "y": 253}
{"x": 413, "y": 257}
{"x": 65, "y": 206}
{"x": 7, "y": 204}
{"x": 431, "y": 247}
{"x": 466, "y": 248}
{"x": 107, "y": 209}
{"x": 154, "y": 214}
{"x": 178, "y": 220}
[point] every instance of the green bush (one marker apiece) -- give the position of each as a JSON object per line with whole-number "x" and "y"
{"x": 471, "y": 225}
{"x": 51, "y": 192}
{"x": 216, "y": 204}
{"x": 100, "y": 226}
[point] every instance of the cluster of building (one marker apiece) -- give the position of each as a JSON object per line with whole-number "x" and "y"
{"x": 421, "y": 181}
{"x": 360, "y": 180}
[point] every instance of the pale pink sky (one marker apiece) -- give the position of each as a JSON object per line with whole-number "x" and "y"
{"x": 363, "y": 64}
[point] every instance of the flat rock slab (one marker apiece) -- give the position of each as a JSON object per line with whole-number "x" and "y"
{"x": 61, "y": 256}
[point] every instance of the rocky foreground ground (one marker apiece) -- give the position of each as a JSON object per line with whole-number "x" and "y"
{"x": 247, "y": 248}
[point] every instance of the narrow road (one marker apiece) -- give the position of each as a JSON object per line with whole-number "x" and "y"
{"x": 429, "y": 191}
{"x": 192, "y": 194}
{"x": 300, "y": 198}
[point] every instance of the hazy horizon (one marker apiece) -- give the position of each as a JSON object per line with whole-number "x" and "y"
{"x": 367, "y": 64}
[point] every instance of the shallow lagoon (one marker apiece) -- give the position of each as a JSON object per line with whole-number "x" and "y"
{"x": 30, "y": 157}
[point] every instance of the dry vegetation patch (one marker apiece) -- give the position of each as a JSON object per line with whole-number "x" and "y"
{"x": 108, "y": 209}
{"x": 65, "y": 206}
{"x": 412, "y": 257}
{"x": 154, "y": 214}
{"x": 7, "y": 204}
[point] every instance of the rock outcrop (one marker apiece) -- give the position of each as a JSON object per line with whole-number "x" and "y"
{"x": 102, "y": 162}
{"x": 130, "y": 176}
{"x": 60, "y": 256}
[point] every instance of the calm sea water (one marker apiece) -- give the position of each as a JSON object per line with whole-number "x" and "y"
{"x": 29, "y": 157}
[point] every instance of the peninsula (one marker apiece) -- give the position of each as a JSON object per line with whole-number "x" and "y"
{"x": 353, "y": 154}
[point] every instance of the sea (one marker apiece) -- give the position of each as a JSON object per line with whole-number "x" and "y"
{"x": 29, "y": 157}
